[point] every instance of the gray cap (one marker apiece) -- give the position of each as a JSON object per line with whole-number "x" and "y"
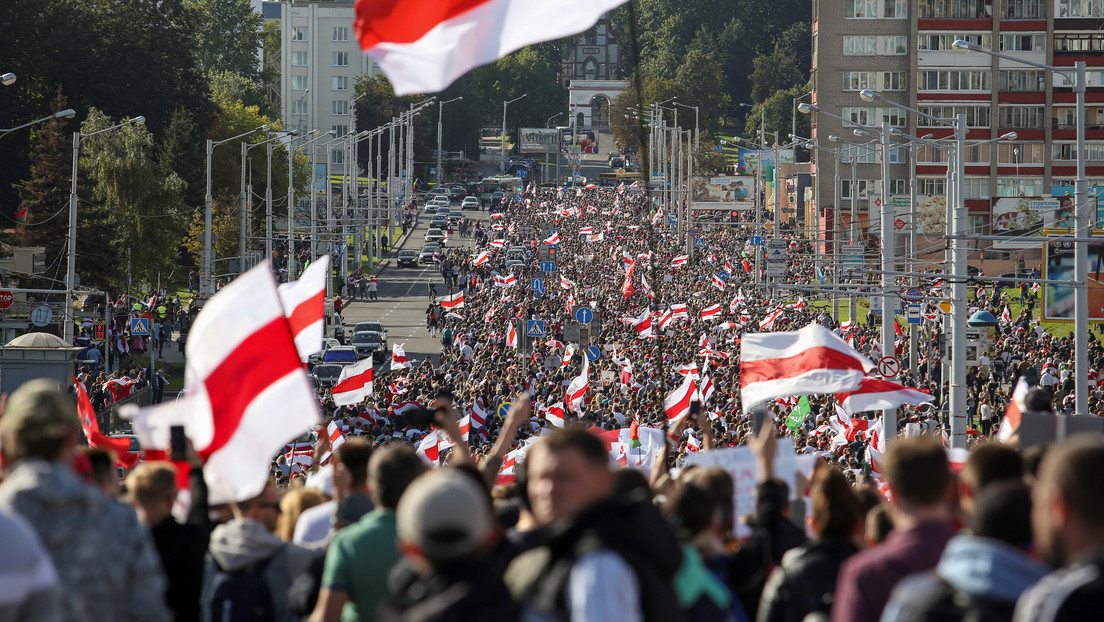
{"x": 36, "y": 412}
{"x": 445, "y": 514}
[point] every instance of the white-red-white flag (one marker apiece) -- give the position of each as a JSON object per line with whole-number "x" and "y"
{"x": 553, "y": 239}
{"x": 478, "y": 416}
{"x": 712, "y": 312}
{"x": 680, "y": 311}
{"x": 875, "y": 394}
{"x": 576, "y": 390}
{"x": 768, "y": 322}
{"x": 304, "y": 304}
{"x": 705, "y": 390}
{"x": 718, "y": 282}
{"x": 399, "y": 359}
{"x": 427, "y": 448}
{"x": 505, "y": 281}
{"x": 677, "y": 403}
{"x": 811, "y": 360}
{"x": 643, "y": 325}
{"x": 454, "y": 301}
{"x": 482, "y": 258}
{"x": 680, "y": 260}
{"x": 555, "y": 414}
{"x": 511, "y": 337}
{"x": 354, "y": 384}
{"x": 1014, "y": 413}
{"x": 566, "y": 283}
{"x": 444, "y": 442}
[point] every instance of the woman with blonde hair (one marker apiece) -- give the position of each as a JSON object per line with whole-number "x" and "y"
{"x": 292, "y": 505}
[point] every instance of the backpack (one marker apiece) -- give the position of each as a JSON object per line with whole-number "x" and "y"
{"x": 242, "y": 595}
{"x": 948, "y": 604}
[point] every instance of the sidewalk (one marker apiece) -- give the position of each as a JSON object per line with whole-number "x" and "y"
{"x": 400, "y": 243}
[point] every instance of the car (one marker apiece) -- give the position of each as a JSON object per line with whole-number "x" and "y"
{"x": 434, "y": 235}
{"x": 327, "y": 343}
{"x": 431, "y": 207}
{"x": 340, "y": 355}
{"x": 456, "y": 193}
{"x": 455, "y": 216}
{"x": 326, "y": 375}
{"x": 368, "y": 344}
{"x": 428, "y": 251}
{"x": 94, "y": 302}
{"x": 513, "y": 264}
{"x": 517, "y": 253}
{"x": 374, "y": 327}
{"x": 469, "y": 203}
{"x": 443, "y": 198}
{"x": 408, "y": 258}
{"x": 439, "y": 222}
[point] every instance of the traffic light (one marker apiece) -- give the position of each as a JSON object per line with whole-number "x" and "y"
{"x": 98, "y": 331}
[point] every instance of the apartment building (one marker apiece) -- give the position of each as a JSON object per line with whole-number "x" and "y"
{"x": 902, "y": 49}
{"x": 320, "y": 61}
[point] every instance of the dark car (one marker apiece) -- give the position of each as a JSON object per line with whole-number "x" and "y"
{"x": 426, "y": 256}
{"x": 456, "y": 193}
{"x": 368, "y": 344}
{"x": 374, "y": 327}
{"x": 341, "y": 355}
{"x": 326, "y": 375}
{"x": 408, "y": 258}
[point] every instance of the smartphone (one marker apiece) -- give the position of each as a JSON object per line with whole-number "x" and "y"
{"x": 695, "y": 408}
{"x": 759, "y": 415}
{"x": 178, "y": 444}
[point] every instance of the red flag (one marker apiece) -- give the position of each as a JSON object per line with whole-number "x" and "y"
{"x": 118, "y": 446}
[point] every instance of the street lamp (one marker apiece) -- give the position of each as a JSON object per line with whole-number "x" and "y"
{"x": 7, "y": 79}
{"x": 1082, "y": 231}
{"x": 440, "y": 126}
{"x": 207, "y": 261}
{"x": 502, "y": 147}
{"x": 548, "y": 122}
{"x": 697, "y": 132}
{"x": 64, "y": 114}
{"x": 282, "y": 139}
{"x": 71, "y": 269}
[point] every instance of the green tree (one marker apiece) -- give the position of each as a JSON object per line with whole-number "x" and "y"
{"x": 228, "y": 37}
{"x": 780, "y": 115}
{"x": 702, "y": 81}
{"x": 139, "y": 199}
{"x": 782, "y": 68}
{"x": 709, "y": 161}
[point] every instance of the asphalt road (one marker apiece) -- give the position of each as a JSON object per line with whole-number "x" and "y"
{"x": 404, "y": 296}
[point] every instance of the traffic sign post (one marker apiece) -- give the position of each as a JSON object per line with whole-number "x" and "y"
{"x": 914, "y": 295}
{"x": 593, "y": 353}
{"x": 584, "y": 315}
{"x": 139, "y": 327}
{"x": 537, "y": 285}
{"x": 535, "y": 328}
{"x": 699, "y": 242}
{"x": 913, "y": 314}
{"x": 548, "y": 266}
{"x": 889, "y": 367}
{"x": 6, "y": 299}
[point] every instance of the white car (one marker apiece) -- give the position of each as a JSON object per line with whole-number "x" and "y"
{"x": 434, "y": 235}
{"x": 469, "y": 203}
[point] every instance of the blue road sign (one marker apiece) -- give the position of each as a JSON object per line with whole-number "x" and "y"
{"x": 913, "y": 314}
{"x": 593, "y": 353}
{"x": 139, "y": 327}
{"x": 504, "y": 409}
{"x": 914, "y": 295}
{"x": 583, "y": 315}
{"x": 672, "y": 218}
{"x": 537, "y": 285}
{"x": 548, "y": 266}
{"x": 722, "y": 275}
{"x": 535, "y": 328}
{"x": 699, "y": 242}
{"x": 756, "y": 240}
{"x": 522, "y": 173}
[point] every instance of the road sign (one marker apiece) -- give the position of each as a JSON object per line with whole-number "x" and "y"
{"x": 945, "y": 306}
{"x": 852, "y": 255}
{"x": 722, "y": 275}
{"x": 912, "y": 312}
{"x": 548, "y": 266}
{"x": 139, "y": 327}
{"x": 583, "y": 315}
{"x": 6, "y": 299}
{"x": 42, "y": 315}
{"x": 776, "y": 258}
{"x": 914, "y": 294}
{"x": 889, "y": 367}
{"x": 593, "y": 353}
{"x": 535, "y": 328}
{"x": 537, "y": 285}
{"x": 899, "y": 224}
{"x": 756, "y": 240}
{"x": 504, "y": 409}
{"x": 699, "y": 242}
{"x": 672, "y": 218}
{"x": 522, "y": 173}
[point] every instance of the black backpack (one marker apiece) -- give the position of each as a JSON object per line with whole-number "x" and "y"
{"x": 238, "y": 596}
{"x": 948, "y": 604}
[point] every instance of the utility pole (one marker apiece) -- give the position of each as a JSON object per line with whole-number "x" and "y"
{"x": 889, "y": 318}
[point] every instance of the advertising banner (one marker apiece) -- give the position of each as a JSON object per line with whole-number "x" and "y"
{"x": 1058, "y": 265}
{"x": 539, "y": 140}
{"x": 723, "y": 191}
{"x": 1096, "y": 194}
{"x": 749, "y": 161}
{"x": 1022, "y": 219}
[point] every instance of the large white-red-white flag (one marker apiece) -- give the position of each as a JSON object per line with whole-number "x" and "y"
{"x": 876, "y": 394}
{"x": 576, "y": 390}
{"x": 247, "y": 391}
{"x": 1014, "y": 414}
{"x": 399, "y": 359}
{"x": 811, "y": 360}
{"x": 677, "y": 403}
{"x": 304, "y": 303}
{"x": 427, "y": 448}
{"x": 454, "y": 301}
{"x": 354, "y": 384}
{"x": 511, "y": 336}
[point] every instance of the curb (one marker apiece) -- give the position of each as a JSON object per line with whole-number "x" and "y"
{"x": 396, "y": 247}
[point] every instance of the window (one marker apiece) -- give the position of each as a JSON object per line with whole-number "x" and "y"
{"x": 340, "y": 130}
{"x": 895, "y": 116}
{"x": 337, "y": 156}
{"x": 931, "y": 185}
{"x": 863, "y": 185}
{"x": 941, "y": 42}
{"x": 1094, "y": 151}
{"x": 895, "y": 9}
{"x": 863, "y": 154}
{"x": 894, "y": 46}
{"x": 1023, "y": 42}
{"x": 952, "y": 80}
{"x": 298, "y": 83}
{"x": 299, "y": 59}
{"x": 1019, "y": 187}
{"x": 977, "y": 154}
{"x": 896, "y": 154}
{"x": 298, "y": 33}
{"x": 1065, "y": 118}
{"x": 299, "y": 106}
{"x": 860, "y": 9}
{"x": 1092, "y": 78}
{"x": 340, "y": 59}
{"x": 900, "y": 186}
{"x": 1078, "y": 42}
{"x": 340, "y": 107}
{"x": 927, "y": 154}
{"x": 1080, "y": 8}
{"x": 1022, "y": 80}
{"x": 1020, "y": 153}
{"x": 954, "y": 9}
{"x": 341, "y": 33}
{"x": 856, "y": 80}
{"x": 893, "y": 81}
{"x": 860, "y": 46}
{"x": 856, "y": 116}
{"x": 976, "y": 116}
{"x": 1021, "y": 117}
{"x": 1024, "y": 9}
{"x": 975, "y": 188}
{"x": 341, "y": 83}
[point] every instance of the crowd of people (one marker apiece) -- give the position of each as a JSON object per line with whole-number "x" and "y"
{"x": 470, "y": 486}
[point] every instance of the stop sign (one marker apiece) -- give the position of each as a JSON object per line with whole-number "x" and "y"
{"x": 6, "y": 299}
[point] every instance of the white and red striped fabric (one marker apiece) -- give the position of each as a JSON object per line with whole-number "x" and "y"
{"x": 444, "y": 442}
{"x": 677, "y": 403}
{"x": 482, "y": 258}
{"x": 576, "y": 390}
{"x": 120, "y": 387}
{"x": 405, "y": 407}
{"x": 768, "y": 322}
{"x": 566, "y": 283}
{"x": 337, "y": 439}
{"x": 718, "y": 282}
{"x": 643, "y": 325}
{"x": 304, "y": 303}
{"x": 555, "y": 414}
{"x": 247, "y": 392}
{"x": 705, "y": 390}
{"x": 1012, "y": 416}
{"x": 498, "y": 243}
{"x": 505, "y": 281}
{"x": 680, "y": 260}
{"x": 665, "y": 319}
{"x": 354, "y": 384}
{"x": 693, "y": 445}
{"x": 569, "y": 352}
{"x": 455, "y": 301}
{"x": 711, "y": 313}
{"x": 399, "y": 359}
{"x": 511, "y": 337}
{"x": 553, "y": 239}
{"x": 811, "y": 360}
{"x": 679, "y": 311}
{"x": 478, "y": 416}
{"x": 876, "y": 394}
{"x": 586, "y": 231}
{"x": 427, "y": 448}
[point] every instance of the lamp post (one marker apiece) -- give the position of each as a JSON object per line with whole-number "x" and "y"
{"x": 71, "y": 269}
{"x": 283, "y": 139}
{"x": 63, "y": 114}
{"x": 1082, "y": 230}
{"x": 502, "y": 147}
{"x": 440, "y": 127}
{"x": 697, "y": 132}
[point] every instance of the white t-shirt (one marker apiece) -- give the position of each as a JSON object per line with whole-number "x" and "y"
{"x": 314, "y": 524}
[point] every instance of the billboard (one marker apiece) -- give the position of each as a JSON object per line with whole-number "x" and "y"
{"x": 1058, "y": 265}
{"x": 1096, "y": 194}
{"x": 722, "y": 192}
{"x": 750, "y": 160}
{"x": 1022, "y": 219}
{"x": 539, "y": 140}
{"x": 321, "y": 178}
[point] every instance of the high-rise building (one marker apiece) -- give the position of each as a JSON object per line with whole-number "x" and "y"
{"x": 902, "y": 49}
{"x": 320, "y": 61}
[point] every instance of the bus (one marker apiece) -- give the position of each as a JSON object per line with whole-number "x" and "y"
{"x": 502, "y": 183}
{"x": 615, "y": 179}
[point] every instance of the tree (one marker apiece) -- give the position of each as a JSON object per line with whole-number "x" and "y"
{"x": 782, "y": 68}
{"x": 709, "y": 161}
{"x": 702, "y": 81}
{"x": 780, "y": 115}
{"x": 139, "y": 201}
{"x": 229, "y": 37}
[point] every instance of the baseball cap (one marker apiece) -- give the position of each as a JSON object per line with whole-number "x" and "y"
{"x": 36, "y": 412}
{"x": 445, "y": 514}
